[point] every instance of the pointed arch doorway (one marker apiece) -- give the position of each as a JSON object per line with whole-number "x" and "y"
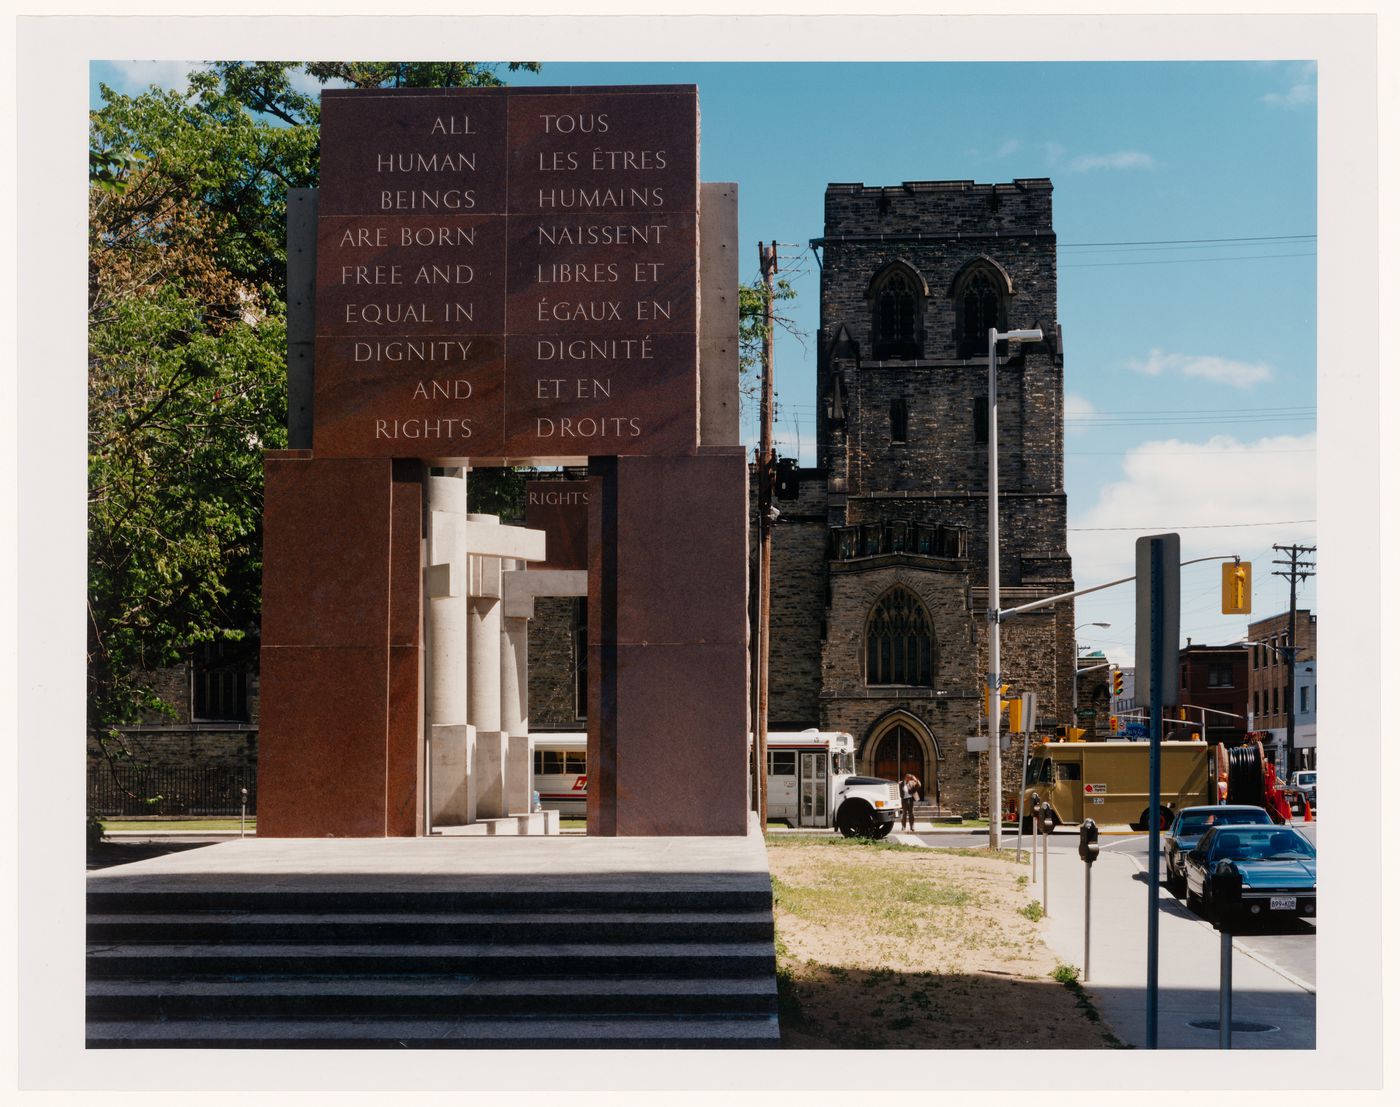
{"x": 903, "y": 745}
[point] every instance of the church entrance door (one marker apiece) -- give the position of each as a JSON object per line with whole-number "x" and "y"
{"x": 898, "y": 752}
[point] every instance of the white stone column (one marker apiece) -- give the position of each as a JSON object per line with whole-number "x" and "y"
{"x": 515, "y": 706}
{"x": 451, "y": 799}
{"x": 484, "y": 679}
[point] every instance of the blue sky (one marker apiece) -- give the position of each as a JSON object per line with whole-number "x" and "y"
{"x": 1186, "y": 210}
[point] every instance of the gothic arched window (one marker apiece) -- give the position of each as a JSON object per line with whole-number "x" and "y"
{"x": 899, "y": 641}
{"x": 897, "y": 315}
{"x": 979, "y": 303}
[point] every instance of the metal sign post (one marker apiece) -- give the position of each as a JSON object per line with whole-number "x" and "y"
{"x": 1227, "y": 950}
{"x": 1045, "y": 871}
{"x": 1035, "y": 832}
{"x": 1158, "y": 630}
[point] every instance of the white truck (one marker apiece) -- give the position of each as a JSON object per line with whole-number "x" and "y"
{"x": 812, "y": 782}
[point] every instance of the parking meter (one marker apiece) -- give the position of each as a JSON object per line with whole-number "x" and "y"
{"x": 1225, "y": 888}
{"x": 1088, "y": 842}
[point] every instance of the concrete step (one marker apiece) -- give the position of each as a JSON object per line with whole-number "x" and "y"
{"x": 147, "y": 959}
{"x": 430, "y": 997}
{"x": 759, "y": 1032}
{"x": 440, "y": 926}
{"x": 520, "y": 896}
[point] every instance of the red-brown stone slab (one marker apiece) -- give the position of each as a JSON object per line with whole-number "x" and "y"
{"x": 410, "y": 275}
{"x": 325, "y": 553}
{"x": 403, "y": 746}
{"x": 682, "y": 549}
{"x": 595, "y": 151}
{"x": 321, "y": 749}
{"x": 681, "y": 739}
{"x": 668, "y": 651}
{"x": 601, "y": 396}
{"x": 406, "y": 541}
{"x": 560, "y": 509}
{"x": 602, "y": 275}
{"x": 409, "y": 397}
{"x": 434, "y": 152}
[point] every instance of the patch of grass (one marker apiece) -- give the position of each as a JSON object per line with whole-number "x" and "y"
{"x": 835, "y": 841}
{"x": 1068, "y": 975}
{"x": 1035, "y": 912}
{"x": 1022, "y": 881}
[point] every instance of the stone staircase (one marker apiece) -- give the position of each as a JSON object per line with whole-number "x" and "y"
{"x": 535, "y": 963}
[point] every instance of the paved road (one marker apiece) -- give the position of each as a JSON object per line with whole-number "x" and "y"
{"x": 1288, "y": 944}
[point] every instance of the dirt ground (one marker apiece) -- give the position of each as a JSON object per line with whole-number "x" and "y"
{"x": 886, "y": 946}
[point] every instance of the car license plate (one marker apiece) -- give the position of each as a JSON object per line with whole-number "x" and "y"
{"x": 1283, "y": 903}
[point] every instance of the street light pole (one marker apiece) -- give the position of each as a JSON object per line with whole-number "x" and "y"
{"x": 1074, "y": 697}
{"x": 994, "y": 589}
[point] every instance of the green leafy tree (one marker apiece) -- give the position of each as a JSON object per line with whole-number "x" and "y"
{"x": 753, "y": 301}
{"x": 187, "y": 355}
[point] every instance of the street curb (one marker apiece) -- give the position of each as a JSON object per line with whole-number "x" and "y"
{"x": 1253, "y": 955}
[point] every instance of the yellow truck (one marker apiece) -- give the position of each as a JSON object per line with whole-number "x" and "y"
{"x": 1108, "y": 781}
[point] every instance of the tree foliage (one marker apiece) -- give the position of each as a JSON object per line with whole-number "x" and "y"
{"x": 187, "y": 353}
{"x": 753, "y": 327}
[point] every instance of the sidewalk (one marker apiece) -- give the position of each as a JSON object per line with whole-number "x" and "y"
{"x": 1188, "y": 973}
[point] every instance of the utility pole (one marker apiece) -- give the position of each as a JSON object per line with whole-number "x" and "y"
{"x": 767, "y": 263}
{"x": 1297, "y": 570}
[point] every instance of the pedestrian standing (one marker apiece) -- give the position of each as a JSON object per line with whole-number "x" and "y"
{"x": 910, "y": 788}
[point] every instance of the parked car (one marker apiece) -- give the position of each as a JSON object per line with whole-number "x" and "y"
{"x": 1305, "y": 781}
{"x": 1252, "y": 871}
{"x": 1188, "y": 827}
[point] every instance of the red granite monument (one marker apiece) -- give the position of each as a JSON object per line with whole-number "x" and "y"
{"x": 507, "y": 276}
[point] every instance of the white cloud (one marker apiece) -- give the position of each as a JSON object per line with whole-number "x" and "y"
{"x": 1077, "y": 408}
{"x": 1221, "y": 370}
{"x": 169, "y": 74}
{"x": 1121, "y": 159}
{"x": 1203, "y": 491}
{"x": 1053, "y": 151}
{"x": 1304, "y": 92}
{"x": 1301, "y": 92}
{"x": 1009, "y": 147}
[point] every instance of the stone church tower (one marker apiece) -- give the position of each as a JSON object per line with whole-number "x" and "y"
{"x": 880, "y": 555}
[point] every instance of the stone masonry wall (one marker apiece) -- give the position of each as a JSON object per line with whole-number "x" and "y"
{"x": 552, "y": 703}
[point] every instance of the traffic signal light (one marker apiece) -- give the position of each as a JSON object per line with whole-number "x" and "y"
{"x": 1235, "y": 593}
{"x": 987, "y": 699}
{"x": 1113, "y": 724}
{"x": 1117, "y": 682}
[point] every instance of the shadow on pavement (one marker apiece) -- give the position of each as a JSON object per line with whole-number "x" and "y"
{"x": 105, "y": 854}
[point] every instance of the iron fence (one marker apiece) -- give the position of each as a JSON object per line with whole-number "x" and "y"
{"x": 153, "y": 791}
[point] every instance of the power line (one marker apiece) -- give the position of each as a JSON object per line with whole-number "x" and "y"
{"x": 1177, "y": 261}
{"x": 1188, "y": 241}
{"x": 1198, "y": 526}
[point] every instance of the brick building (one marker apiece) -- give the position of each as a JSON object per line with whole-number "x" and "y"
{"x": 880, "y": 552}
{"x": 1268, "y": 681}
{"x": 196, "y": 758}
{"x": 1214, "y": 687}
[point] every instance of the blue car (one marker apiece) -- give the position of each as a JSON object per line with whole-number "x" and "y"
{"x": 1252, "y": 871}
{"x": 1188, "y": 827}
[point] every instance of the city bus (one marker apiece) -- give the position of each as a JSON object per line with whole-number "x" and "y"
{"x": 811, "y": 781}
